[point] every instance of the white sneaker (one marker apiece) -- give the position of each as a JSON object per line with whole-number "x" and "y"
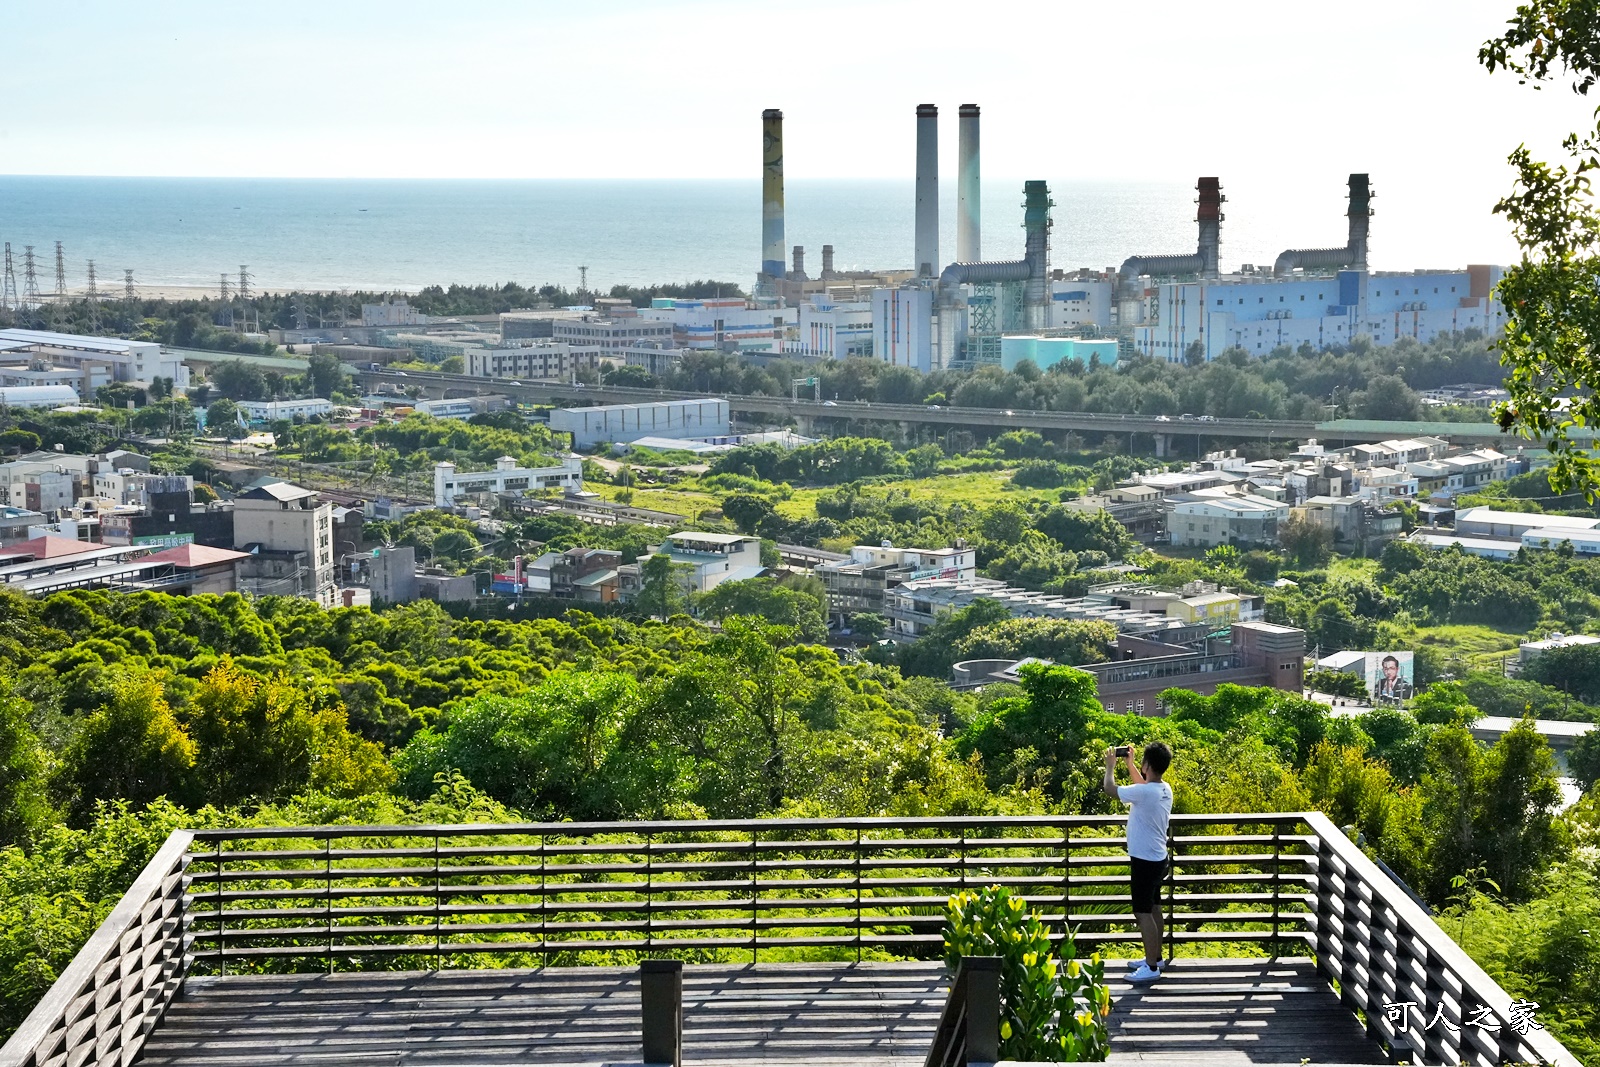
{"x": 1161, "y": 965}
{"x": 1145, "y": 973}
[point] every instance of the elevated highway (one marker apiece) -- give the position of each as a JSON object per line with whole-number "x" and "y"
{"x": 844, "y": 412}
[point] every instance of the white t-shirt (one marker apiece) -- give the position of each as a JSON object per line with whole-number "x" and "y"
{"x": 1150, "y": 806}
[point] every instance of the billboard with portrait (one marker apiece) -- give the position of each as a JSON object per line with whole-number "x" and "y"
{"x": 1390, "y": 677}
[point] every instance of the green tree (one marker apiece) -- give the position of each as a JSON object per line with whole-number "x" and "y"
{"x": 222, "y": 417}
{"x": 324, "y": 375}
{"x": 660, "y": 592}
{"x": 801, "y": 609}
{"x": 868, "y": 626}
{"x": 748, "y": 511}
{"x": 238, "y": 380}
{"x": 24, "y": 765}
{"x": 131, "y": 749}
{"x": 19, "y": 441}
{"x": 1552, "y": 297}
{"x": 1307, "y": 543}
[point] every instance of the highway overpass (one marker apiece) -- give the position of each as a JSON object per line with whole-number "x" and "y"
{"x": 838, "y": 416}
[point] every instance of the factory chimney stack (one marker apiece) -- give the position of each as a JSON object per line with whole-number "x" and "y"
{"x": 1210, "y": 216}
{"x": 772, "y": 193}
{"x": 927, "y": 218}
{"x": 827, "y": 261}
{"x": 799, "y": 261}
{"x": 1360, "y": 218}
{"x": 968, "y": 209}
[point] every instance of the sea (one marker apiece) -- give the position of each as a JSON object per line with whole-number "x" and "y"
{"x": 402, "y": 235}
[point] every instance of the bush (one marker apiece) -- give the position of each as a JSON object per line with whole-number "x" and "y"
{"x": 1051, "y": 1010}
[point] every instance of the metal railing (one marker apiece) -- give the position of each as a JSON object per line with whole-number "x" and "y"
{"x": 439, "y": 897}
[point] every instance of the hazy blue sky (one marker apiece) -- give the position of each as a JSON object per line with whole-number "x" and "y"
{"x": 1258, "y": 92}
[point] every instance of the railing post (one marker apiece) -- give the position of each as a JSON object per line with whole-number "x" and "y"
{"x": 327, "y": 892}
{"x": 649, "y": 895}
{"x": 858, "y": 893}
{"x": 1172, "y": 894}
{"x": 661, "y": 1000}
{"x": 982, "y": 976}
{"x": 1277, "y": 872}
{"x": 438, "y": 938}
{"x": 1066, "y": 880}
{"x": 222, "y": 943}
{"x": 755, "y": 875}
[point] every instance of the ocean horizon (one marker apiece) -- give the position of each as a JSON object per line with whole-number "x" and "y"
{"x": 404, "y": 234}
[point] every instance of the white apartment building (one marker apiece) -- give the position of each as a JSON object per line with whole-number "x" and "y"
{"x": 703, "y": 561}
{"x": 1217, "y": 517}
{"x": 286, "y": 521}
{"x": 1474, "y": 468}
{"x": 128, "y": 361}
{"x": 1260, "y": 313}
{"x": 506, "y": 477}
{"x": 550, "y": 359}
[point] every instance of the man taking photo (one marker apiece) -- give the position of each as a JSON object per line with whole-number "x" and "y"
{"x": 1149, "y": 801}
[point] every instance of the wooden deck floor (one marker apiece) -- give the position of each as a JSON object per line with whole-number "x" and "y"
{"x": 1216, "y": 1011}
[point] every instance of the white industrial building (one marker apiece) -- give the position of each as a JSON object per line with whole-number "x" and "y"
{"x": 1082, "y": 301}
{"x": 722, "y": 322}
{"x": 269, "y": 410}
{"x": 549, "y": 359}
{"x": 95, "y": 359}
{"x": 702, "y": 418}
{"x": 834, "y": 330}
{"x": 1487, "y": 522}
{"x": 506, "y": 477}
{"x": 902, "y": 328}
{"x": 1259, "y": 313}
{"x": 38, "y": 396}
{"x": 611, "y": 337}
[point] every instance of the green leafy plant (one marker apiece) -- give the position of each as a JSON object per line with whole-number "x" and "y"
{"x": 1053, "y": 1008}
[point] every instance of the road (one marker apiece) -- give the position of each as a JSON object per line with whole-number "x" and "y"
{"x": 1083, "y": 422}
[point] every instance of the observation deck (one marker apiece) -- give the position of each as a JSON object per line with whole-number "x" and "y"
{"x": 796, "y": 941}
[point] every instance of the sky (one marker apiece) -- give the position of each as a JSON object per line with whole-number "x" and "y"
{"x": 1259, "y": 92}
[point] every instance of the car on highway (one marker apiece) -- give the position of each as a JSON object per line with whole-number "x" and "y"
{"x": 935, "y": 407}
{"x": 400, "y": 374}
{"x": 830, "y": 403}
{"x": 516, "y": 383}
{"x": 1163, "y": 418}
{"x": 1010, "y": 412}
{"x": 1208, "y": 418}
{"x": 579, "y": 385}
{"x": 1186, "y": 417}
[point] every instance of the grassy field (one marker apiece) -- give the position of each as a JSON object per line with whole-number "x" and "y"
{"x": 974, "y": 490}
{"x": 1482, "y": 647}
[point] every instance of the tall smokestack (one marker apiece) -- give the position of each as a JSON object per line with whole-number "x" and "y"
{"x": 827, "y": 261}
{"x": 968, "y": 210}
{"x": 1360, "y": 213}
{"x": 1210, "y": 219}
{"x": 800, "y": 260}
{"x": 772, "y": 193}
{"x": 927, "y": 227}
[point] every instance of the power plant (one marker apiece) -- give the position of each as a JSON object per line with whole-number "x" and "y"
{"x": 1172, "y": 306}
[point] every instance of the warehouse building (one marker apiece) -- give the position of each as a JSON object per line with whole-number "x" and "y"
{"x": 705, "y": 417}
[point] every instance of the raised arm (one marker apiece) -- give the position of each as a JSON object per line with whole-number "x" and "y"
{"x": 1108, "y": 784}
{"x": 1134, "y": 774}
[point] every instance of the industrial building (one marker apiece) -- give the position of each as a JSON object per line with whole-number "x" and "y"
{"x": 549, "y": 359}
{"x": 38, "y": 396}
{"x": 612, "y": 423}
{"x": 721, "y": 323}
{"x": 507, "y": 477}
{"x": 834, "y": 330}
{"x": 86, "y": 363}
{"x": 269, "y": 410}
{"x": 613, "y": 337}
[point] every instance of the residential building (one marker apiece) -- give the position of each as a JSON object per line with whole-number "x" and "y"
{"x": 913, "y": 607}
{"x": 588, "y": 574}
{"x": 507, "y": 477}
{"x": 551, "y": 360}
{"x": 701, "y": 562}
{"x": 857, "y": 584}
{"x": 392, "y": 574}
{"x": 1475, "y": 468}
{"x": 702, "y": 418}
{"x": 289, "y": 533}
{"x": 1210, "y": 517}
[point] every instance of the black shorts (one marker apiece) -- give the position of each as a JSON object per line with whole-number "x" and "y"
{"x": 1147, "y": 876}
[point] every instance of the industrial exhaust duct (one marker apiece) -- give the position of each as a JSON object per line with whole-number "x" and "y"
{"x": 1204, "y": 261}
{"x": 927, "y": 219}
{"x": 968, "y": 191}
{"x": 1354, "y": 254}
{"x": 772, "y": 194}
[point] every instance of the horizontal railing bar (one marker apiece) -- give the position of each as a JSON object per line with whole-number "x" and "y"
{"x": 763, "y": 826}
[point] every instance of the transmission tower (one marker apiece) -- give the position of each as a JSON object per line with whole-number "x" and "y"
{"x": 93, "y": 297}
{"x": 244, "y": 296}
{"x": 226, "y": 300}
{"x": 129, "y": 293}
{"x": 583, "y": 280}
{"x": 299, "y": 311}
{"x": 8, "y": 288}
{"x": 58, "y": 309}
{"x": 30, "y": 284}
